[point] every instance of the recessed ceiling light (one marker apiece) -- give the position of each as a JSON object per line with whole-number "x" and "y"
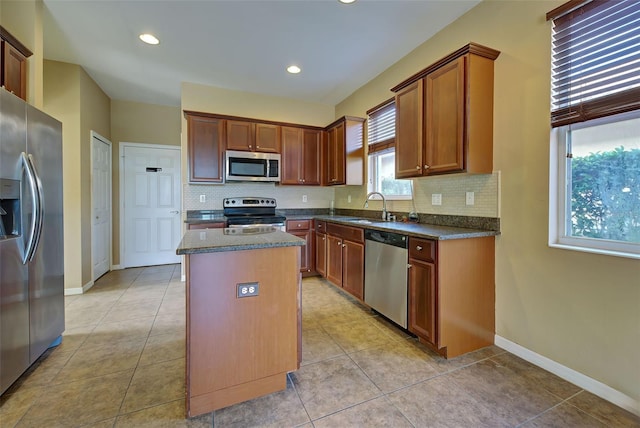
{"x": 347, "y": 1}
{"x": 294, "y": 69}
{"x": 149, "y": 38}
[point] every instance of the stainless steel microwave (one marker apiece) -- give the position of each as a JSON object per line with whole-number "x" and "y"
{"x": 252, "y": 166}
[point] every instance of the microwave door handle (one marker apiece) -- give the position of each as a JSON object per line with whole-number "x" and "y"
{"x": 31, "y": 180}
{"x": 40, "y": 210}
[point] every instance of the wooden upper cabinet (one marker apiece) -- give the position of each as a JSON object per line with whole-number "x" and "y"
{"x": 254, "y": 137}
{"x": 300, "y": 156}
{"x": 13, "y": 64}
{"x": 444, "y": 116}
{"x": 345, "y": 152}
{"x": 205, "y": 137}
{"x": 267, "y": 138}
{"x": 409, "y": 107}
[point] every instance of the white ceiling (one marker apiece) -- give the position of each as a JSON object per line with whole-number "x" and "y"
{"x": 240, "y": 44}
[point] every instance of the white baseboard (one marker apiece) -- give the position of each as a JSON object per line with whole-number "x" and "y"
{"x": 78, "y": 290}
{"x": 183, "y": 277}
{"x": 116, "y": 267}
{"x": 585, "y": 382}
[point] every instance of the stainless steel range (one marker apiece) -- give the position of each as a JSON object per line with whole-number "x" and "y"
{"x": 252, "y": 212}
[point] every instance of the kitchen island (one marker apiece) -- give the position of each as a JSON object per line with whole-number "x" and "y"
{"x": 243, "y": 314}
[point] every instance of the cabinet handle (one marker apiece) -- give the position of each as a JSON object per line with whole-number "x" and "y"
{"x": 344, "y": 245}
{"x": 323, "y": 238}
{"x": 339, "y": 243}
{"x": 299, "y": 225}
{"x": 409, "y": 266}
{"x": 257, "y": 147}
{"x": 249, "y": 145}
{"x": 418, "y": 247}
{"x": 417, "y": 166}
{"x": 426, "y": 167}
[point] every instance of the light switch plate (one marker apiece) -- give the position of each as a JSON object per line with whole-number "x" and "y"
{"x": 436, "y": 199}
{"x": 470, "y": 198}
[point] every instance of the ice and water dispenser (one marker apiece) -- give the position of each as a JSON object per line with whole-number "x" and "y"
{"x": 9, "y": 208}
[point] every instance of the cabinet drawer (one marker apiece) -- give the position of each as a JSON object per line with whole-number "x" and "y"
{"x": 354, "y": 234}
{"x": 422, "y": 249}
{"x": 216, "y": 225}
{"x": 321, "y": 226}
{"x": 298, "y": 224}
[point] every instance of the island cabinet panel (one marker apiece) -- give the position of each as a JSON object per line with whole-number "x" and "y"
{"x": 241, "y": 348}
{"x": 205, "y": 147}
{"x": 444, "y": 116}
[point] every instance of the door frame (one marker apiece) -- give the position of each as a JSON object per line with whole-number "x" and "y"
{"x": 121, "y": 173}
{"x": 95, "y": 135}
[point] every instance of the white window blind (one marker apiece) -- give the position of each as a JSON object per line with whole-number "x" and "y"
{"x": 596, "y": 59}
{"x": 381, "y": 128}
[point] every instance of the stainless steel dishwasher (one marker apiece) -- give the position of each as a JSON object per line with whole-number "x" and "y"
{"x": 385, "y": 274}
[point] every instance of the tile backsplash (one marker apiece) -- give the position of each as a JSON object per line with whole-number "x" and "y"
{"x": 286, "y": 196}
{"x": 453, "y": 188}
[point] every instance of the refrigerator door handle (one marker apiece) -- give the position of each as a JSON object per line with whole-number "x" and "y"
{"x": 40, "y": 210}
{"x": 35, "y": 201}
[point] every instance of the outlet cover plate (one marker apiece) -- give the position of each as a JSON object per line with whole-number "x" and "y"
{"x": 247, "y": 289}
{"x": 436, "y": 199}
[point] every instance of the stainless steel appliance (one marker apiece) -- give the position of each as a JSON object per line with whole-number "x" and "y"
{"x": 385, "y": 274}
{"x": 252, "y": 212}
{"x": 252, "y": 166}
{"x": 31, "y": 240}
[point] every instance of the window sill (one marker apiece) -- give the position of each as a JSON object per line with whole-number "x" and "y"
{"x": 614, "y": 253}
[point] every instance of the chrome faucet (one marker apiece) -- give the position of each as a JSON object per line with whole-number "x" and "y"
{"x": 384, "y": 204}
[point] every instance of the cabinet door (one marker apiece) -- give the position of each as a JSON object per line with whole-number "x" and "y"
{"x": 194, "y": 226}
{"x": 353, "y": 268}
{"x": 14, "y": 70}
{"x": 336, "y": 164}
{"x": 291, "y": 154}
{"x": 321, "y": 254}
{"x": 311, "y": 152}
{"x": 409, "y": 131}
{"x": 334, "y": 260}
{"x": 444, "y": 117}
{"x": 240, "y": 135}
{"x": 304, "y": 250}
{"x": 422, "y": 299}
{"x": 204, "y": 149}
{"x": 267, "y": 138}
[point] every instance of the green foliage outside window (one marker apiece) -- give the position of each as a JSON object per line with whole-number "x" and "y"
{"x": 605, "y": 195}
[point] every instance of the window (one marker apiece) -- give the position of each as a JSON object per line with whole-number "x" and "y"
{"x": 595, "y": 115}
{"x": 381, "y": 133}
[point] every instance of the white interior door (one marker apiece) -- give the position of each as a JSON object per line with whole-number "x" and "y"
{"x": 101, "y": 205}
{"x": 151, "y": 192}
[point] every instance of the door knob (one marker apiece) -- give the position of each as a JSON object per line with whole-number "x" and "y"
{"x": 174, "y": 212}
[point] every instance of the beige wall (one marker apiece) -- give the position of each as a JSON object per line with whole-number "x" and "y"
{"x": 580, "y": 310}
{"x": 62, "y": 101}
{"x": 23, "y": 19}
{"x": 133, "y": 122}
{"x": 73, "y": 97}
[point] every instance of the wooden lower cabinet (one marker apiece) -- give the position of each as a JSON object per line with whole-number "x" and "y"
{"x": 353, "y": 268}
{"x": 452, "y": 293}
{"x": 212, "y": 225}
{"x": 422, "y": 300}
{"x": 345, "y": 258}
{"x": 321, "y": 254}
{"x": 304, "y": 229}
{"x": 334, "y": 260}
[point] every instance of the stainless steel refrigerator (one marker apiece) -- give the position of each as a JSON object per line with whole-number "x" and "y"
{"x": 31, "y": 236}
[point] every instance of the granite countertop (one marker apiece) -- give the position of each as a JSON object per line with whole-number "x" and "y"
{"x": 420, "y": 230}
{"x": 217, "y": 240}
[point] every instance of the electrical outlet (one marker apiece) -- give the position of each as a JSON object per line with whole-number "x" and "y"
{"x": 304, "y": 198}
{"x": 436, "y": 199}
{"x": 247, "y": 289}
{"x": 203, "y": 198}
{"x": 470, "y": 198}
{"x": 349, "y": 199}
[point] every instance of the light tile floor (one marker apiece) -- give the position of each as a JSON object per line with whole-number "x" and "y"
{"x": 121, "y": 364}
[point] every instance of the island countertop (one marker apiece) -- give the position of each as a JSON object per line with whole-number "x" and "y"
{"x": 235, "y": 239}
